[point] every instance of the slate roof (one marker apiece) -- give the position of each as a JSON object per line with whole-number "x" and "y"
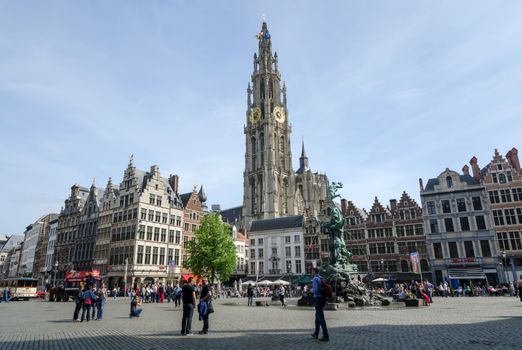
{"x": 278, "y": 223}
{"x": 231, "y": 215}
{"x": 185, "y": 198}
{"x": 470, "y": 180}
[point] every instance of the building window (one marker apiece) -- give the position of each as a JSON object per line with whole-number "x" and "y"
{"x": 156, "y": 233}
{"x": 399, "y": 230}
{"x": 509, "y": 214}
{"x": 171, "y": 236}
{"x": 155, "y": 256}
{"x": 147, "y": 255}
{"x": 252, "y": 253}
{"x": 486, "y": 250}
{"x": 162, "y": 256}
{"x": 260, "y": 241}
{"x": 164, "y": 235}
{"x": 446, "y": 208}
{"x": 260, "y": 253}
{"x": 448, "y": 222}
{"x": 298, "y": 266}
{"x": 178, "y": 237}
{"x": 143, "y": 214}
{"x": 289, "y": 266}
{"x": 297, "y": 251}
{"x": 252, "y": 267}
{"x": 454, "y": 252}
{"x": 468, "y": 248}
{"x": 498, "y": 218}
{"x": 502, "y": 178}
{"x": 151, "y": 215}
{"x": 288, "y": 252}
{"x": 152, "y": 199}
{"x": 461, "y": 205}
{"x": 287, "y": 239}
{"x": 252, "y": 242}
{"x": 517, "y": 194}
{"x": 176, "y": 257}
{"x": 516, "y": 243}
{"x": 505, "y": 195}
{"x": 437, "y": 250}
{"x": 477, "y": 204}
{"x": 494, "y": 197}
{"x": 481, "y": 222}
{"x": 149, "y": 233}
{"x": 165, "y": 218}
{"x": 464, "y": 224}
{"x": 434, "y": 226}
{"x": 297, "y": 239}
{"x": 503, "y": 242}
{"x": 158, "y": 216}
{"x": 449, "y": 182}
{"x": 431, "y": 208}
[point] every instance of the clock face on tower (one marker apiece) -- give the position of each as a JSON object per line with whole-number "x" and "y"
{"x": 255, "y": 115}
{"x": 279, "y": 114}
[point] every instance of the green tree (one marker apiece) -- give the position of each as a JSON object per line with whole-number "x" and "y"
{"x": 212, "y": 253}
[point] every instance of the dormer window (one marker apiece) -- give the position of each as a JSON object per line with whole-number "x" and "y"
{"x": 449, "y": 182}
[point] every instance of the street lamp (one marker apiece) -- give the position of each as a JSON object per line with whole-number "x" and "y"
{"x": 503, "y": 253}
{"x": 55, "y": 272}
{"x": 382, "y": 266}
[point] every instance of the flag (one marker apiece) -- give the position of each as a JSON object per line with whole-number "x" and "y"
{"x": 415, "y": 263}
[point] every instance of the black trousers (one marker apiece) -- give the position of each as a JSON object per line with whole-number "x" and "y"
{"x": 205, "y": 322}
{"x": 77, "y": 309}
{"x": 186, "y": 321}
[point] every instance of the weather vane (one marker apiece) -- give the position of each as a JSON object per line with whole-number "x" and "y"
{"x": 264, "y": 17}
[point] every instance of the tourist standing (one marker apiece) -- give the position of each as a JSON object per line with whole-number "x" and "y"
{"x": 320, "y": 302}
{"x": 250, "y": 294}
{"x": 88, "y": 299}
{"x": 188, "y": 296}
{"x": 161, "y": 293}
{"x": 94, "y": 303}
{"x": 100, "y": 301}
{"x": 205, "y": 300}
{"x": 78, "y": 305}
{"x": 177, "y": 296}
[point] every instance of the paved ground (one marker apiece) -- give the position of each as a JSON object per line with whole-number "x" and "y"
{"x": 453, "y": 323}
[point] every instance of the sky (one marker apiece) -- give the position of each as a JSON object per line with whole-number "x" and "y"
{"x": 382, "y": 92}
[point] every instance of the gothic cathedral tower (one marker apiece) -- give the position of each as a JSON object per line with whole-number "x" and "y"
{"x": 268, "y": 158}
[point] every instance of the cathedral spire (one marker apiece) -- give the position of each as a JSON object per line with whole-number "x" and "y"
{"x": 265, "y": 59}
{"x": 303, "y": 161}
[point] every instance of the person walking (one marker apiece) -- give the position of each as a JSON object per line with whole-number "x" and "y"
{"x": 250, "y": 294}
{"x": 205, "y": 300}
{"x": 88, "y": 299}
{"x": 134, "y": 311}
{"x": 188, "y": 296}
{"x": 320, "y": 302}
{"x": 282, "y": 295}
{"x": 519, "y": 286}
{"x": 100, "y": 301}
{"x": 78, "y": 305}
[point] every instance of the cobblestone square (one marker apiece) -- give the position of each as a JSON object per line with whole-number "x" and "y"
{"x": 478, "y": 323}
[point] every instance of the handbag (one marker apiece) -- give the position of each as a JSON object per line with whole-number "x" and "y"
{"x": 210, "y": 307}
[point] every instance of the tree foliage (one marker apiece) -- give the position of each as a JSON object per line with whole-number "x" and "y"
{"x": 212, "y": 253}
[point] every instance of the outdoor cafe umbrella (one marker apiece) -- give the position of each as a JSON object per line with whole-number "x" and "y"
{"x": 265, "y": 283}
{"x": 281, "y": 282}
{"x": 246, "y": 283}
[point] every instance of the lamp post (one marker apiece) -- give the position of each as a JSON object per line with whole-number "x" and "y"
{"x": 55, "y": 270}
{"x": 503, "y": 253}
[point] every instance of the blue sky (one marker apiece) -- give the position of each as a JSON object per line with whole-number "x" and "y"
{"x": 383, "y": 92}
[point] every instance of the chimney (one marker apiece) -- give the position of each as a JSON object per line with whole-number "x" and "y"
{"x": 154, "y": 169}
{"x": 512, "y": 157}
{"x": 344, "y": 206}
{"x": 475, "y": 168}
{"x": 465, "y": 169}
{"x": 421, "y": 185}
{"x": 173, "y": 182}
{"x": 393, "y": 205}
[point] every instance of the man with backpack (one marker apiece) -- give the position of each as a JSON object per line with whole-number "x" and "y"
{"x": 318, "y": 290}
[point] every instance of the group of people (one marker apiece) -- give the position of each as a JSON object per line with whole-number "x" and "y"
{"x": 204, "y": 307}
{"x": 91, "y": 301}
